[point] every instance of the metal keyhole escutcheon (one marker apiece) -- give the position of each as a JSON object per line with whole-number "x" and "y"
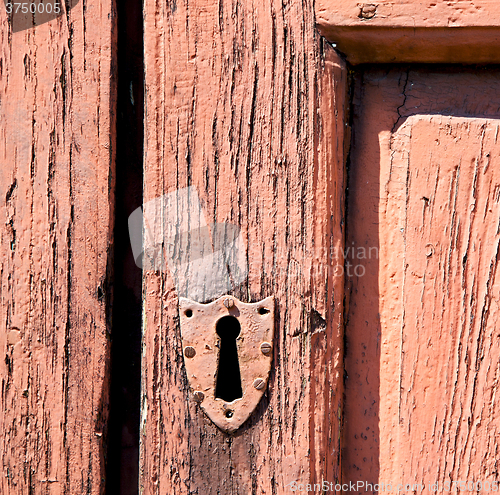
{"x": 228, "y": 350}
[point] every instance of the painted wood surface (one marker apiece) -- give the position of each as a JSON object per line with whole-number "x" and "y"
{"x": 56, "y": 182}
{"x": 412, "y": 30}
{"x": 422, "y": 343}
{"x": 402, "y": 13}
{"x": 247, "y": 105}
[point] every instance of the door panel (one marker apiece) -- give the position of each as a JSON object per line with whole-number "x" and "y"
{"x": 422, "y": 343}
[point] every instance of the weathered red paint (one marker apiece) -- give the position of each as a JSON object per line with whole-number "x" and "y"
{"x": 422, "y": 341}
{"x": 56, "y": 180}
{"x": 428, "y": 31}
{"x": 246, "y": 104}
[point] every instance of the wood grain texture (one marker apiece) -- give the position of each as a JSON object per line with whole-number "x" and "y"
{"x": 246, "y": 104}
{"x": 422, "y": 339}
{"x": 405, "y": 13}
{"x": 431, "y": 31}
{"x": 449, "y": 342}
{"x": 56, "y": 181}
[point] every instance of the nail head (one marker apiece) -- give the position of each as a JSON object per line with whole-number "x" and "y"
{"x": 199, "y": 396}
{"x": 189, "y": 352}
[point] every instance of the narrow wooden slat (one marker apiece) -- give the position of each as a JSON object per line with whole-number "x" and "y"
{"x": 247, "y": 105}
{"x": 56, "y": 181}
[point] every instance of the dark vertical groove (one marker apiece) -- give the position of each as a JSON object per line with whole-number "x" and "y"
{"x": 122, "y": 463}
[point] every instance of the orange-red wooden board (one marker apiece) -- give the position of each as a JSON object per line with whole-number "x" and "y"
{"x": 56, "y": 187}
{"x": 247, "y": 106}
{"x": 422, "y": 342}
{"x": 431, "y": 31}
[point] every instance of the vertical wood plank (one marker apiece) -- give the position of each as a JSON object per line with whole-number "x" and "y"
{"x": 57, "y": 109}
{"x": 422, "y": 347}
{"x": 449, "y": 341}
{"x": 246, "y": 104}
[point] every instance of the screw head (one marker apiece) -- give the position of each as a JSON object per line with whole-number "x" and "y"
{"x": 266, "y": 348}
{"x": 259, "y": 383}
{"x": 229, "y": 303}
{"x": 189, "y": 351}
{"x": 198, "y": 396}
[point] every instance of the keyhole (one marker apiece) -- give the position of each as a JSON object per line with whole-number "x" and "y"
{"x": 228, "y": 385}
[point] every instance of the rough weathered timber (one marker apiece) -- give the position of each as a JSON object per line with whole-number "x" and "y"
{"x": 388, "y": 31}
{"x": 245, "y": 103}
{"x": 422, "y": 344}
{"x": 56, "y": 183}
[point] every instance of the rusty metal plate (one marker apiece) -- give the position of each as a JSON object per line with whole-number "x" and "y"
{"x": 202, "y": 354}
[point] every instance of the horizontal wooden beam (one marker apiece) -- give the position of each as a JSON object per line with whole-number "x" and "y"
{"x": 412, "y": 31}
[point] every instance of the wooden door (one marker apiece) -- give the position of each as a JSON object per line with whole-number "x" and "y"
{"x": 248, "y": 106}
{"x": 422, "y": 339}
{"x": 245, "y": 103}
{"x": 422, "y": 349}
